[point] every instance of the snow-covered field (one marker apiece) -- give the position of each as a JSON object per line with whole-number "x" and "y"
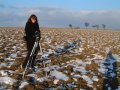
{"x": 74, "y": 59}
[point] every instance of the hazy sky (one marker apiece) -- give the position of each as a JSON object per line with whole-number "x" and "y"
{"x": 61, "y": 13}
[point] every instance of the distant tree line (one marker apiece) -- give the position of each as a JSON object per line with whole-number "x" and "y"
{"x": 71, "y": 26}
{"x": 87, "y": 24}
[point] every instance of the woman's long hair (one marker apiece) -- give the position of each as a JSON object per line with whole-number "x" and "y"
{"x": 32, "y": 16}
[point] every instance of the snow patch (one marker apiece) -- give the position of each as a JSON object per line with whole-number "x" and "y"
{"x": 23, "y": 85}
{"x": 7, "y": 80}
{"x": 59, "y": 75}
{"x": 86, "y": 78}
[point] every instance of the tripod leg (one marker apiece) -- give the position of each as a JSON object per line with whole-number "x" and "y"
{"x": 33, "y": 59}
{"x": 32, "y": 52}
{"x": 26, "y": 59}
{"x": 33, "y": 55}
{"x": 25, "y": 69}
{"x": 41, "y": 49}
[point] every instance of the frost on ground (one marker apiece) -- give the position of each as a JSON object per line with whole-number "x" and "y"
{"x": 73, "y": 59}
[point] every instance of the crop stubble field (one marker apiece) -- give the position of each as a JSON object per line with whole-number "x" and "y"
{"x": 82, "y": 67}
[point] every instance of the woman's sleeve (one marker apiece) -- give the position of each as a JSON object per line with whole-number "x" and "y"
{"x": 26, "y": 33}
{"x": 26, "y": 29}
{"x": 39, "y": 31}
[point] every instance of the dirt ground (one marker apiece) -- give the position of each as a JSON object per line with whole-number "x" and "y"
{"x": 88, "y": 55}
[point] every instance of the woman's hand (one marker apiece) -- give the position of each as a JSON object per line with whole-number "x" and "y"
{"x": 25, "y": 38}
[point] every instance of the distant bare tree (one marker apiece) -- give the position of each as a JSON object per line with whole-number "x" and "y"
{"x": 70, "y": 25}
{"x": 104, "y": 26}
{"x": 96, "y": 26}
{"x": 86, "y": 24}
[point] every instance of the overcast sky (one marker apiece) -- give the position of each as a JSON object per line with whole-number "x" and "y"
{"x": 61, "y": 13}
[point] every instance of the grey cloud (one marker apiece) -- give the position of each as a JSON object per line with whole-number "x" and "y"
{"x": 2, "y": 6}
{"x": 59, "y": 17}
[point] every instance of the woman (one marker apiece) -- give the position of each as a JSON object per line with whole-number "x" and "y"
{"x": 31, "y": 30}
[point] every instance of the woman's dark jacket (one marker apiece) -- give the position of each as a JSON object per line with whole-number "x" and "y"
{"x": 30, "y": 31}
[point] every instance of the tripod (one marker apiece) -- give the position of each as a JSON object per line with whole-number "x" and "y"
{"x": 32, "y": 53}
